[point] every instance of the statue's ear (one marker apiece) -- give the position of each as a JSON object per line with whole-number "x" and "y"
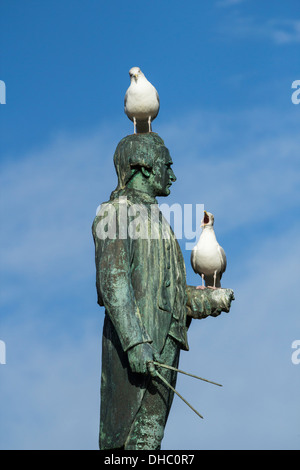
{"x": 145, "y": 172}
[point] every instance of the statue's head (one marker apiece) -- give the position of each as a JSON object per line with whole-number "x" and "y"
{"x": 147, "y": 156}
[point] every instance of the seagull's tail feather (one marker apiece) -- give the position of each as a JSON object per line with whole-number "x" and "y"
{"x": 142, "y": 127}
{"x": 209, "y": 281}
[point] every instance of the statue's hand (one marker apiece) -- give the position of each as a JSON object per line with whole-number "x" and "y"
{"x": 208, "y": 302}
{"x": 140, "y": 358}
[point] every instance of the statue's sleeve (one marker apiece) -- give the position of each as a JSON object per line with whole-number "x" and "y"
{"x": 113, "y": 281}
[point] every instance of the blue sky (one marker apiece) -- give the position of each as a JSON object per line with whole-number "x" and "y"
{"x": 224, "y": 71}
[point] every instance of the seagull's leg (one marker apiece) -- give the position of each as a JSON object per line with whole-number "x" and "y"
{"x": 149, "y": 124}
{"x": 203, "y": 286}
{"x": 215, "y": 279}
{"x": 134, "y": 125}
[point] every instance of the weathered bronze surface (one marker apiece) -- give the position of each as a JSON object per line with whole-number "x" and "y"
{"x": 141, "y": 282}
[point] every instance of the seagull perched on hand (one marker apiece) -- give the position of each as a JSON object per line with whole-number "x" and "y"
{"x": 141, "y": 103}
{"x": 208, "y": 258}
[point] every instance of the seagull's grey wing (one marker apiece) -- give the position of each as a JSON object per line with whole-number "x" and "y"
{"x": 157, "y": 96}
{"x": 193, "y": 260}
{"x": 223, "y": 260}
{"x": 125, "y": 100}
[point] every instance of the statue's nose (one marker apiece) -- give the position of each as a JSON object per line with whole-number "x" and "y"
{"x": 172, "y": 176}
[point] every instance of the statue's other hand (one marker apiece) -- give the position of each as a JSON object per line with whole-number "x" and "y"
{"x": 139, "y": 357}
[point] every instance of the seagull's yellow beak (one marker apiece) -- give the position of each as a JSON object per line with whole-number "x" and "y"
{"x": 205, "y": 219}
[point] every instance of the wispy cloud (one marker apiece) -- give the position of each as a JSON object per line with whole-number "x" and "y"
{"x": 249, "y": 352}
{"x": 243, "y": 167}
{"x": 238, "y": 164}
{"x": 50, "y": 386}
{"x": 284, "y": 31}
{"x": 50, "y": 198}
{"x": 276, "y": 30}
{"x": 229, "y": 3}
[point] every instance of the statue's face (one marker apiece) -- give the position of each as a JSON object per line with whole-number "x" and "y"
{"x": 162, "y": 174}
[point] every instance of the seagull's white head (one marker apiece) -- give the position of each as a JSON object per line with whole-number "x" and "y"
{"x": 208, "y": 220}
{"x": 135, "y": 73}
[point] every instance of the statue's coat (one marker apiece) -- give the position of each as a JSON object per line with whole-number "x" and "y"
{"x": 142, "y": 284}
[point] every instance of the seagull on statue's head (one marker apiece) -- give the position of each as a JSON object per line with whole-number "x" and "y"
{"x": 208, "y": 258}
{"x": 141, "y": 103}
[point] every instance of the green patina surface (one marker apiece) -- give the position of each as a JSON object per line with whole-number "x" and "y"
{"x": 141, "y": 282}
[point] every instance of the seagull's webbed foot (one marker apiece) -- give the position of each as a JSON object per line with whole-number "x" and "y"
{"x": 202, "y": 287}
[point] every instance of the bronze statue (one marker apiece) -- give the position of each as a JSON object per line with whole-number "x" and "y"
{"x": 141, "y": 282}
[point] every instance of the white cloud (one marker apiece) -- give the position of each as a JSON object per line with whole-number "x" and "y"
{"x": 229, "y": 3}
{"x": 278, "y": 31}
{"x": 49, "y": 200}
{"x": 249, "y": 352}
{"x": 242, "y": 169}
{"x": 50, "y": 388}
{"x": 284, "y": 31}
{"x": 52, "y": 325}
